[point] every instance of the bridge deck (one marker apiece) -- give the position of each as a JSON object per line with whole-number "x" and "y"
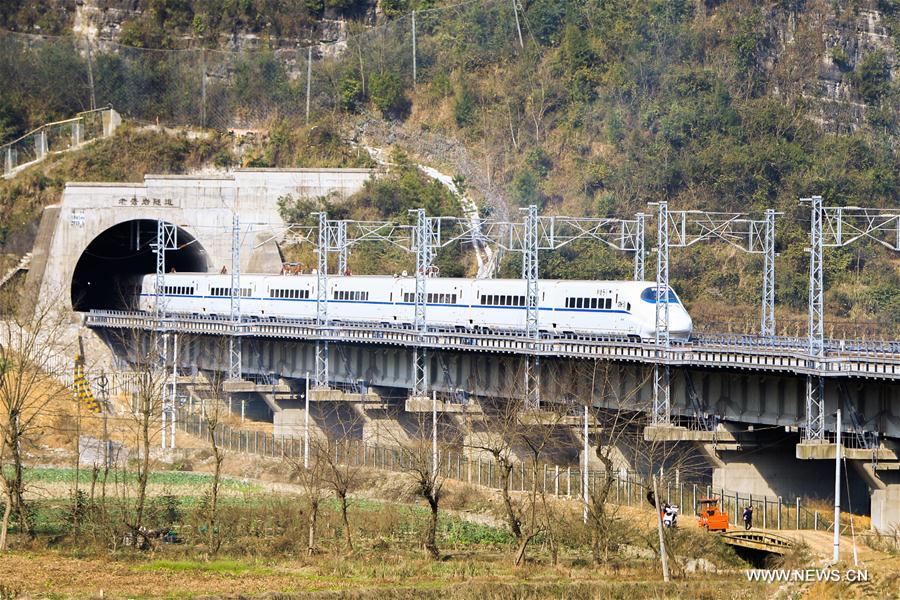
{"x": 758, "y": 540}
{"x": 874, "y": 360}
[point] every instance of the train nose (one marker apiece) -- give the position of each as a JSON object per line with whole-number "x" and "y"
{"x": 680, "y": 324}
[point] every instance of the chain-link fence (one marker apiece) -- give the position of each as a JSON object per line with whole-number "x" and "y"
{"x": 242, "y": 89}
{"x": 628, "y": 488}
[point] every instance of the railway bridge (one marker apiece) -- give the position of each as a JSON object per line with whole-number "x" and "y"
{"x": 759, "y": 407}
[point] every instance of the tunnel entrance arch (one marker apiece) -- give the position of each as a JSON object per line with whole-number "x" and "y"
{"x": 109, "y": 271}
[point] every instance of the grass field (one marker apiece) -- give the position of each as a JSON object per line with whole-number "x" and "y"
{"x": 262, "y": 528}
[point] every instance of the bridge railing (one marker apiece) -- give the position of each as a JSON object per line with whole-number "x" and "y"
{"x": 564, "y": 481}
{"x": 785, "y": 354}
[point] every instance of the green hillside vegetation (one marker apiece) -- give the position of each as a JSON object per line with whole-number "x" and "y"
{"x": 619, "y": 103}
{"x": 389, "y": 197}
{"x": 134, "y": 152}
{"x": 611, "y": 104}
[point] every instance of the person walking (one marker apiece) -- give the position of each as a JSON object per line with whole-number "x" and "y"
{"x": 748, "y": 517}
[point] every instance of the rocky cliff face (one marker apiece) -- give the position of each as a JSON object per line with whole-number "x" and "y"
{"x": 102, "y": 20}
{"x": 838, "y": 36}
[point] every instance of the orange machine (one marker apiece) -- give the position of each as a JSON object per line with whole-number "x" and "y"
{"x": 711, "y": 518}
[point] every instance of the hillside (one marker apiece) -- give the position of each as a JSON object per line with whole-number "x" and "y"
{"x": 604, "y": 106}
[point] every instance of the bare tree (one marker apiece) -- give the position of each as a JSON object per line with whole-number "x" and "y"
{"x": 7, "y": 506}
{"x": 144, "y": 352}
{"x": 511, "y": 427}
{"x": 341, "y": 472}
{"x": 421, "y": 457}
{"x": 32, "y": 345}
{"x": 212, "y": 411}
{"x": 311, "y": 475}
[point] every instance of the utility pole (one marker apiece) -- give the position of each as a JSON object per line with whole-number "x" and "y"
{"x": 173, "y": 404}
{"x": 584, "y": 475}
{"x": 306, "y": 426}
{"x": 414, "y": 47}
{"x": 164, "y": 427}
{"x": 434, "y": 447}
{"x": 836, "y": 555}
{"x": 518, "y": 27}
{"x": 308, "y": 80}
{"x": 662, "y": 539}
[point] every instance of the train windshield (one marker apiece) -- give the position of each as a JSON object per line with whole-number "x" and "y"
{"x": 649, "y": 295}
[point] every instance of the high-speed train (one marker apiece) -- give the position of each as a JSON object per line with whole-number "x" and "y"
{"x": 565, "y": 307}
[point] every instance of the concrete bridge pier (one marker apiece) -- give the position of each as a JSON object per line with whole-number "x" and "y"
{"x": 764, "y": 465}
{"x": 884, "y": 495}
{"x": 878, "y": 469}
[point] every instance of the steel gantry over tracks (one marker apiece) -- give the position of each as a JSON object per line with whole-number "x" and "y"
{"x": 425, "y": 235}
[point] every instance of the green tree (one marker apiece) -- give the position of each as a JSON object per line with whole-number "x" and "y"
{"x": 388, "y": 94}
{"x": 872, "y": 76}
{"x": 351, "y": 93}
{"x": 463, "y": 105}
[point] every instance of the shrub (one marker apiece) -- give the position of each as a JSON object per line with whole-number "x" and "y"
{"x": 388, "y": 94}
{"x": 872, "y": 76}
{"x": 351, "y": 93}
{"x": 463, "y": 106}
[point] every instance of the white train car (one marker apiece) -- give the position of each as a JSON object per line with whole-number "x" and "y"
{"x": 616, "y": 308}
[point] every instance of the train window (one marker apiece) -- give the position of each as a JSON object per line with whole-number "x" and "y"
{"x": 649, "y": 295}
{"x": 609, "y": 303}
{"x": 578, "y": 303}
{"x": 593, "y": 303}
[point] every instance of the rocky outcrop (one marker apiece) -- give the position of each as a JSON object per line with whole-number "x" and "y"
{"x": 837, "y": 36}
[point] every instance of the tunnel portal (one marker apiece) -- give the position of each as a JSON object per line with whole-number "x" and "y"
{"x": 109, "y": 271}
